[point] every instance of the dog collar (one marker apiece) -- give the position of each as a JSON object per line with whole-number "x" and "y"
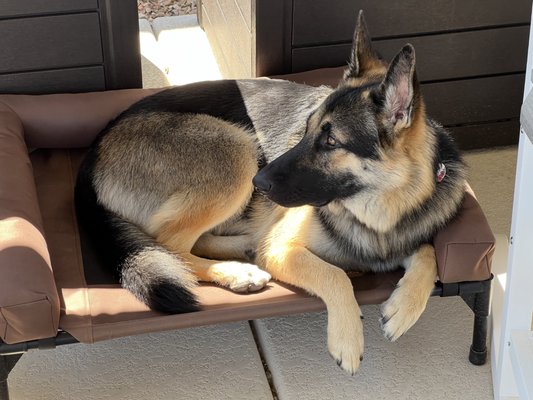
{"x": 441, "y": 172}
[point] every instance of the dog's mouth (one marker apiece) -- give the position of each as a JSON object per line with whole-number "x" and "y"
{"x": 320, "y": 203}
{"x": 293, "y": 201}
{"x": 291, "y": 192}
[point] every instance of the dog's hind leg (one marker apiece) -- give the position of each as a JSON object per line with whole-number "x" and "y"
{"x": 237, "y": 276}
{"x": 187, "y": 215}
{"x": 409, "y": 299}
{"x": 234, "y": 247}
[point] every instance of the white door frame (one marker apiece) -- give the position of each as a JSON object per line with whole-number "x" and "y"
{"x": 510, "y": 360}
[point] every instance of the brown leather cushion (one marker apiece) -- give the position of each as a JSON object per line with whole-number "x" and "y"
{"x": 29, "y": 303}
{"x": 97, "y": 311}
{"x": 94, "y": 307}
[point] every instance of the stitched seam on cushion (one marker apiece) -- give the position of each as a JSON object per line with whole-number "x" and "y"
{"x": 445, "y": 263}
{"x": 467, "y": 243}
{"x": 19, "y": 120}
{"x": 26, "y": 303}
{"x": 5, "y": 320}
{"x": 53, "y": 327}
{"x": 46, "y": 298}
{"x": 78, "y": 251}
{"x": 484, "y": 258}
{"x": 486, "y": 262}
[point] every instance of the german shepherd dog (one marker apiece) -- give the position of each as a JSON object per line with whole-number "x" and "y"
{"x": 355, "y": 177}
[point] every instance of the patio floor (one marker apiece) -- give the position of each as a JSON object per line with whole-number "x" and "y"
{"x": 224, "y": 361}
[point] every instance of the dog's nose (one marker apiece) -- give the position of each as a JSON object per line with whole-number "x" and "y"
{"x": 262, "y": 183}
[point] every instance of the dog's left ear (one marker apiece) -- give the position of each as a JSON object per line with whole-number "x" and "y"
{"x": 362, "y": 57}
{"x": 400, "y": 90}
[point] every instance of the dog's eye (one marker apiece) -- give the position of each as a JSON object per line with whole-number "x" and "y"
{"x": 326, "y": 127}
{"x": 331, "y": 141}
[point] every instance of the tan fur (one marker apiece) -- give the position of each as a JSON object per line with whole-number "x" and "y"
{"x": 285, "y": 256}
{"x": 404, "y": 166}
{"x": 344, "y": 160}
{"x": 182, "y": 219}
{"x": 236, "y": 275}
{"x": 406, "y": 162}
{"x": 179, "y": 230}
{"x": 409, "y": 300}
{"x": 375, "y": 73}
{"x": 223, "y": 247}
{"x": 315, "y": 120}
{"x": 409, "y": 157}
{"x": 185, "y": 217}
{"x": 200, "y": 222}
{"x": 415, "y": 182}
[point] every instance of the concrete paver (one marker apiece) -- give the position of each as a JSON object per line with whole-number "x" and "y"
{"x": 429, "y": 362}
{"x": 209, "y": 363}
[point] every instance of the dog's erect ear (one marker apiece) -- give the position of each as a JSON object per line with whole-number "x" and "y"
{"x": 362, "y": 58}
{"x": 400, "y": 90}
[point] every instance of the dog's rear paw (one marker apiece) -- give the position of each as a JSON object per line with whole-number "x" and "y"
{"x": 242, "y": 277}
{"x": 250, "y": 280}
{"x": 346, "y": 344}
{"x": 400, "y": 312}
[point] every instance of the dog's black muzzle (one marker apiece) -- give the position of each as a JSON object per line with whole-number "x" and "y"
{"x": 298, "y": 178}
{"x": 261, "y": 183}
{"x": 292, "y": 180}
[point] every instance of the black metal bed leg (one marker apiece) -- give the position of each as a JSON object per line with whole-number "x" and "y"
{"x": 479, "y": 303}
{"x": 7, "y": 362}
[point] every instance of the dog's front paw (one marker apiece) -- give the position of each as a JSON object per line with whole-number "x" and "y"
{"x": 242, "y": 277}
{"x": 400, "y": 312}
{"x": 346, "y": 343}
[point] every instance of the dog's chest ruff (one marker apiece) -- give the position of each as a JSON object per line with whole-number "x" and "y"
{"x": 357, "y": 247}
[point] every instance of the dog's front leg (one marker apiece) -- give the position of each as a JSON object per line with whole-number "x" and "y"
{"x": 409, "y": 299}
{"x": 296, "y": 265}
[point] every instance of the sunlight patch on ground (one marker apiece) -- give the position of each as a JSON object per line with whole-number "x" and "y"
{"x": 176, "y": 51}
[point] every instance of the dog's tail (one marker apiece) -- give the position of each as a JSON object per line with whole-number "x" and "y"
{"x": 155, "y": 276}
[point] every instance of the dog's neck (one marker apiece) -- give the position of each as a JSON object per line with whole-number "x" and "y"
{"x": 382, "y": 212}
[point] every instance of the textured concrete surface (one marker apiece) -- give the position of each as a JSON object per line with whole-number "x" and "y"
{"x": 492, "y": 176}
{"x": 428, "y": 362}
{"x": 217, "y": 362}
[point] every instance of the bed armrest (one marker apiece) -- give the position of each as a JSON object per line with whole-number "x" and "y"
{"x": 29, "y": 302}
{"x": 465, "y": 247}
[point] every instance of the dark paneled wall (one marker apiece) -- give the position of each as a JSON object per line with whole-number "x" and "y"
{"x": 471, "y": 54}
{"x": 68, "y": 46}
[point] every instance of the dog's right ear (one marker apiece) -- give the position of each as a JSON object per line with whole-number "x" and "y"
{"x": 400, "y": 93}
{"x": 362, "y": 58}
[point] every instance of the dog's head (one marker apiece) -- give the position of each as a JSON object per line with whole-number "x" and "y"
{"x": 359, "y": 135}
